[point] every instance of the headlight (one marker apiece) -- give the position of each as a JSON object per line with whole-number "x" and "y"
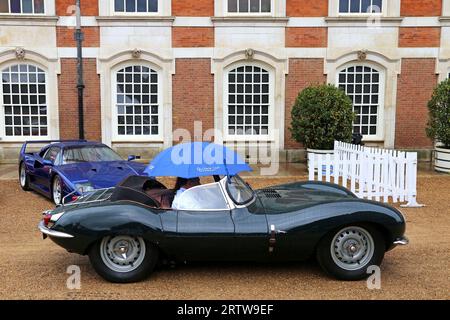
{"x": 84, "y": 187}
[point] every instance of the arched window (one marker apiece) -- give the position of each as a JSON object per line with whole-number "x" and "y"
{"x": 23, "y": 102}
{"x": 248, "y": 101}
{"x": 364, "y": 85}
{"x": 137, "y": 105}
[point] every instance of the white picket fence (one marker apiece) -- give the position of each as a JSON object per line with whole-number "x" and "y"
{"x": 371, "y": 173}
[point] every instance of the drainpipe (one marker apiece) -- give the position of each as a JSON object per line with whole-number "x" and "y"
{"x": 80, "y": 83}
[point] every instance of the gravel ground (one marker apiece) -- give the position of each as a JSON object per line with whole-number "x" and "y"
{"x": 31, "y": 268}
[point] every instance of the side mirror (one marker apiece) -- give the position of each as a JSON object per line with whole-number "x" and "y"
{"x": 133, "y": 157}
{"x": 47, "y": 163}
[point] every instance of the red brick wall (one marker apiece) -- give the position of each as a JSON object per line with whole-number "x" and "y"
{"x": 193, "y": 95}
{"x": 306, "y": 37}
{"x": 88, "y": 7}
{"x": 307, "y": 8}
{"x": 302, "y": 73}
{"x": 419, "y": 37}
{"x": 415, "y": 87}
{"x": 68, "y": 100}
{"x": 421, "y": 8}
{"x": 192, "y": 37}
{"x": 198, "y": 8}
{"x": 65, "y": 37}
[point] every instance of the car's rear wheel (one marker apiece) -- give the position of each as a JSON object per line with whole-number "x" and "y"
{"x": 347, "y": 253}
{"x": 23, "y": 177}
{"x": 123, "y": 258}
{"x": 57, "y": 194}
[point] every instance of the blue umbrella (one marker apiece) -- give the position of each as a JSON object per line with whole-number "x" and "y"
{"x": 196, "y": 159}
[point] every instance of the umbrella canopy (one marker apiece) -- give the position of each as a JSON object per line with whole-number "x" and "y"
{"x": 196, "y": 159}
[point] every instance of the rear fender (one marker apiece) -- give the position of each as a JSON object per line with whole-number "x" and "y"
{"x": 92, "y": 223}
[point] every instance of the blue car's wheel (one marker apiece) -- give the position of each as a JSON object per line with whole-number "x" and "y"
{"x": 348, "y": 252}
{"x": 23, "y": 177}
{"x": 57, "y": 194}
{"x": 123, "y": 258}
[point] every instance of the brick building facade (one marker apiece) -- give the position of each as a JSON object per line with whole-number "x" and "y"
{"x": 154, "y": 66}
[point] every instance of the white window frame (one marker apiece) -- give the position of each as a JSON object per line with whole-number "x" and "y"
{"x": 379, "y": 136}
{"x": 359, "y": 14}
{"x": 46, "y": 5}
{"x": 136, "y": 138}
{"x": 252, "y": 14}
{"x": 161, "y": 9}
{"x": 271, "y": 114}
{"x": 3, "y": 136}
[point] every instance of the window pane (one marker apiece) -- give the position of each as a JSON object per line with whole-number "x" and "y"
{"x": 15, "y": 6}
{"x": 142, "y": 5}
{"x": 343, "y": 6}
{"x": 119, "y": 6}
{"x": 265, "y": 5}
{"x": 355, "y": 6}
{"x": 131, "y": 6}
{"x": 254, "y": 5}
{"x": 243, "y": 5}
{"x": 38, "y": 6}
{"x": 4, "y": 6}
{"x": 152, "y": 5}
{"x": 377, "y": 5}
{"x": 365, "y": 5}
{"x": 232, "y": 5}
{"x": 27, "y": 6}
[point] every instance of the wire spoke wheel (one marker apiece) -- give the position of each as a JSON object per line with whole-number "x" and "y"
{"x": 352, "y": 248}
{"x": 122, "y": 253}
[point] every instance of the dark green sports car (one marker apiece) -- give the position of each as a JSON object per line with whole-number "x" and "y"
{"x": 126, "y": 230}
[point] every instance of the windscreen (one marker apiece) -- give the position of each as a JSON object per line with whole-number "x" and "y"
{"x": 239, "y": 191}
{"x": 89, "y": 154}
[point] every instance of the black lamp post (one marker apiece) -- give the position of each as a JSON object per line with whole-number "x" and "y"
{"x": 80, "y": 83}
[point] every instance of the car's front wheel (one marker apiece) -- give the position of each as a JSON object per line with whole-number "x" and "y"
{"x": 348, "y": 252}
{"x": 123, "y": 258}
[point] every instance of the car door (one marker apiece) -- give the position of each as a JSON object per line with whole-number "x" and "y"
{"x": 43, "y": 166}
{"x": 205, "y": 229}
{"x": 251, "y": 234}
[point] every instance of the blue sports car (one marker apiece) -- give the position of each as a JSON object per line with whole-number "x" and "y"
{"x": 64, "y": 167}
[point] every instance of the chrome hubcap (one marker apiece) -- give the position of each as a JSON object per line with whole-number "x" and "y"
{"x": 122, "y": 253}
{"x": 352, "y": 248}
{"x": 57, "y": 191}
{"x": 23, "y": 176}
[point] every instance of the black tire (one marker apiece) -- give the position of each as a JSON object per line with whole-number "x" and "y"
{"x": 25, "y": 185}
{"x": 326, "y": 261}
{"x": 140, "y": 273}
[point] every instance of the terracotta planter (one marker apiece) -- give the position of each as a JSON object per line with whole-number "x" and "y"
{"x": 442, "y": 159}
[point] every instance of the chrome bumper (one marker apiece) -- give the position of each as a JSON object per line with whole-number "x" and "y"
{"x": 52, "y": 233}
{"x": 403, "y": 241}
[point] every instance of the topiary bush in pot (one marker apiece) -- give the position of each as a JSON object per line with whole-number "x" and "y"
{"x": 320, "y": 115}
{"x": 438, "y": 127}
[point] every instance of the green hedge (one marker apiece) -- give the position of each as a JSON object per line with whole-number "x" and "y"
{"x": 320, "y": 115}
{"x": 439, "y": 114}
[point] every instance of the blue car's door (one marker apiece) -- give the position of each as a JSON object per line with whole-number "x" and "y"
{"x": 42, "y": 168}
